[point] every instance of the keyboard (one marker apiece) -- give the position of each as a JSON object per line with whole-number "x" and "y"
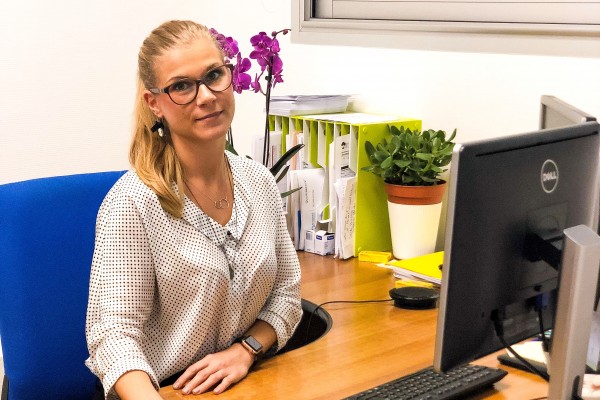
{"x": 428, "y": 384}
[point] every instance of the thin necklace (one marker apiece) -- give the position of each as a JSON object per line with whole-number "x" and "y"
{"x": 230, "y": 264}
{"x": 219, "y": 204}
{"x": 229, "y": 175}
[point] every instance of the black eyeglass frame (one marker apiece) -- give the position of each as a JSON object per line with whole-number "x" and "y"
{"x": 198, "y": 82}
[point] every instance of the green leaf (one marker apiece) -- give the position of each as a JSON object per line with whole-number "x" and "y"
{"x": 451, "y": 138}
{"x": 382, "y": 145}
{"x": 387, "y": 163}
{"x": 285, "y": 158}
{"x": 285, "y": 194}
{"x": 229, "y": 147}
{"x": 369, "y": 148}
{"x": 368, "y": 168}
{"x": 402, "y": 163}
{"x": 381, "y": 156}
{"x": 282, "y": 174}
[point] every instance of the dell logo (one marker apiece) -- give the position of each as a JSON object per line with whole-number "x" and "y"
{"x": 549, "y": 176}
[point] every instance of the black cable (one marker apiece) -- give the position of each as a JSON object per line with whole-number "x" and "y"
{"x": 527, "y": 364}
{"x": 545, "y": 344}
{"x": 500, "y": 333}
{"x": 313, "y": 312}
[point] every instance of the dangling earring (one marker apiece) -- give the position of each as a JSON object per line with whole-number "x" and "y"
{"x": 230, "y": 136}
{"x": 158, "y": 126}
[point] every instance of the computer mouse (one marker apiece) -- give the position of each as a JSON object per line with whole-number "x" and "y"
{"x": 416, "y": 298}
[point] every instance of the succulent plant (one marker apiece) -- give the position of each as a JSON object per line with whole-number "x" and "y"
{"x": 410, "y": 157}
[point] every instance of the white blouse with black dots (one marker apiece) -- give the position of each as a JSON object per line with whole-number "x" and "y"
{"x": 165, "y": 292}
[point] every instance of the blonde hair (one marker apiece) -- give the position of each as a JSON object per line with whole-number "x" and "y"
{"x": 153, "y": 157}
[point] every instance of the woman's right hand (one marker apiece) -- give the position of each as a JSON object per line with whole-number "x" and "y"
{"x": 219, "y": 370}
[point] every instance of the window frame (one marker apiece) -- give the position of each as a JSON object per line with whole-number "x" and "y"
{"x": 304, "y": 25}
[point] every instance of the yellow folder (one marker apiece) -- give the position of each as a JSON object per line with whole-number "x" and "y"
{"x": 427, "y": 267}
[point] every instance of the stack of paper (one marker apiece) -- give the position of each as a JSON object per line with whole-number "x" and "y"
{"x": 427, "y": 267}
{"x": 303, "y": 105}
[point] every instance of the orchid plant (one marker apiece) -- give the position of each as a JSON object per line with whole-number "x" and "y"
{"x": 266, "y": 53}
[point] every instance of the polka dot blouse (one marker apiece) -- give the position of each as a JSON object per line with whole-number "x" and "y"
{"x": 165, "y": 292}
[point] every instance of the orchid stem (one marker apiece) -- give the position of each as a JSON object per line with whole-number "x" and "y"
{"x": 267, "y": 144}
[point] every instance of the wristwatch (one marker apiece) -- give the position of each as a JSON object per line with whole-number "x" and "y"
{"x": 251, "y": 344}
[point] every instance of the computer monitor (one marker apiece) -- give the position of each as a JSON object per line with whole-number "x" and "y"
{"x": 503, "y": 192}
{"x": 555, "y": 113}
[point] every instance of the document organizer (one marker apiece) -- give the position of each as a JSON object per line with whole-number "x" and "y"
{"x": 318, "y": 132}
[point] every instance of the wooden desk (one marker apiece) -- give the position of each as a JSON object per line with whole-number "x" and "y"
{"x": 367, "y": 345}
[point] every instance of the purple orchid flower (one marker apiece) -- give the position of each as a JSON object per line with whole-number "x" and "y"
{"x": 266, "y": 53}
{"x": 227, "y": 43}
{"x": 255, "y": 84}
{"x": 241, "y": 80}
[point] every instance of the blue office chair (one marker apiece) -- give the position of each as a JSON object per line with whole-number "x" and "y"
{"x": 47, "y": 230}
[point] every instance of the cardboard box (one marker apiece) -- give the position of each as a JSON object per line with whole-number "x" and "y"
{"x": 324, "y": 243}
{"x": 309, "y": 241}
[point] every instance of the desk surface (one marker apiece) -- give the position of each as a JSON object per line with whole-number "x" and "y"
{"x": 367, "y": 345}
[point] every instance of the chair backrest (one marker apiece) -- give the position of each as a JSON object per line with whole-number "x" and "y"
{"x": 47, "y": 230}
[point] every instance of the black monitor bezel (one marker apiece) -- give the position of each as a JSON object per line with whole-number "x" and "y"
{"x": 444, "y": 359}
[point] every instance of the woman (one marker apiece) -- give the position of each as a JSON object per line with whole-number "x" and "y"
{"x": 193, "y": 267}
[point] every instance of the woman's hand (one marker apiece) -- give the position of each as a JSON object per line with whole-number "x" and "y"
{"x": 222, "y": 369}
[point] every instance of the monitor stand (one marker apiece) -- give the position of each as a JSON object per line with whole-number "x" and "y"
{"x": 573, "y": 320}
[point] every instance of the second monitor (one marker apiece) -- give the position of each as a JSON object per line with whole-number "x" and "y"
{"x": 502, "y": 193}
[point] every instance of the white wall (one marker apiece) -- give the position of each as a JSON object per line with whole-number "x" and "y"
{"x": 67, "y": 73}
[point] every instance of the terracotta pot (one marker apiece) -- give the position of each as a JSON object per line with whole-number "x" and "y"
{"x": 416, "y": 195}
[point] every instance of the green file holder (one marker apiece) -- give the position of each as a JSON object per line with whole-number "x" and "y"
{"x": 371, "y": 229}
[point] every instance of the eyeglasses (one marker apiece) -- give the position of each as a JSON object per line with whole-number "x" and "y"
{"x": 185, "y": 91}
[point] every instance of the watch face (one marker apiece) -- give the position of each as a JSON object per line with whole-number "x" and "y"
{"x": 253, "y": 344}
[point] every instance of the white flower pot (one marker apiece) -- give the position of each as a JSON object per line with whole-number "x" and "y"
{"x": 414, "y": 228}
